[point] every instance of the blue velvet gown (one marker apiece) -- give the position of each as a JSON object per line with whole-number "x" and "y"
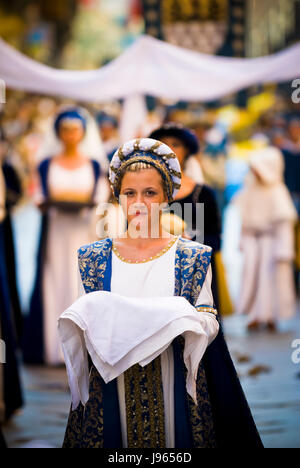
{"x": 222, "y": 418}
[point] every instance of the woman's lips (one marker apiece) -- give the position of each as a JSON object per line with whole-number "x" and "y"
{"x": 139, "y": 212}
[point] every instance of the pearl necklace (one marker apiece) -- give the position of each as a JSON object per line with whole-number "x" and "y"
{"x": 159, "y": 254}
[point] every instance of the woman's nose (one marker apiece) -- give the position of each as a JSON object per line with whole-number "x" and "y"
{"x": 138, "y": 205}
{"x": 139, "y": 198}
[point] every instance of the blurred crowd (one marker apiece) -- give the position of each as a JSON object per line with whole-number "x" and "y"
{"x": 247, "y": 156}
{"x": 225, "y": 132}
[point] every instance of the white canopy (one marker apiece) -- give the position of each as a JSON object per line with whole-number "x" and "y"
{"x": 150, "y": 67}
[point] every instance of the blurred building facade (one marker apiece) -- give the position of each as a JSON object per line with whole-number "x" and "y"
{"x": 71, "y": 34}
{"x": 40, "y": 28}
{"x": 82, "y": 34}
{"x": 225, "y": 27}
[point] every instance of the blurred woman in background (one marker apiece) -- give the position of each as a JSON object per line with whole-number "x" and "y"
{"x": 70, "y": 186}
{"x": 108, "y": 128}
{"x": 267, "y": 242}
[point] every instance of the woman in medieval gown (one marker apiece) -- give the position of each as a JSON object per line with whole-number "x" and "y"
{"x": 70, "y": 185}
{"x": 268, "y": 219}
{"x": 148, "y": 406}
{"x": 10, "y": 386}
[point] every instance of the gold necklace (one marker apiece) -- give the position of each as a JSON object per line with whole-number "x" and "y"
{"x": 159, "y": 254}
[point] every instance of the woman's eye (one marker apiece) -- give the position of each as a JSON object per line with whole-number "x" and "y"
{"x": 148, "y": 193}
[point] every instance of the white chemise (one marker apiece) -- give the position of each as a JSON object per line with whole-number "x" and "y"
{"x": 147, "y": 279}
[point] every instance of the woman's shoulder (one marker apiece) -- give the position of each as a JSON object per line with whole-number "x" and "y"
{"x": 193, "y": 247}
{"x": 95, "y": 247}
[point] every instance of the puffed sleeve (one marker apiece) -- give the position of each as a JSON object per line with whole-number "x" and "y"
{"x": 205, "y": 306}
{"x": 81, "y": 291}
{"x": 205, "y": 301}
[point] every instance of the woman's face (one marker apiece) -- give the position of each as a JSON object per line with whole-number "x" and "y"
{"x": 71, "y": 134}
{"x": 144, "y": 193}
{"x": 177, "y": 146}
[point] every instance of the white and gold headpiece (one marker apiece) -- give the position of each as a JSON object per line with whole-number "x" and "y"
{"x": 153, "y": 152}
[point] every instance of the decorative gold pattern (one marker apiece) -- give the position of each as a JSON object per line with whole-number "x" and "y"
{"x": 211, "y": 310}
{"x": 194, "y": 10}
{"x": 115, "y": 170}
{"x": 201, "y": 415}
{"x": 145, "y": 406}
{"x": 175, "y": 173}
{"x": 92, "y": 264}
{"x": 137, "y": 144}
{"x": 120, "y": 154}
{"x": 155, "y": 146}
{"x": 191, "y": 264}
{"x": 169, "y": 156}
{"x": 159, "y": 254}
{"x": 192, "y": 261}
{"x": 85, "y": 424}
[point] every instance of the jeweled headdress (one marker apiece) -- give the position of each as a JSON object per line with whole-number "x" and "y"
{"x": 153, "y": 152}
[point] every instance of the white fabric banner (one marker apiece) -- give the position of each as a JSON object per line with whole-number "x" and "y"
{"x": 150, "y": 67}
